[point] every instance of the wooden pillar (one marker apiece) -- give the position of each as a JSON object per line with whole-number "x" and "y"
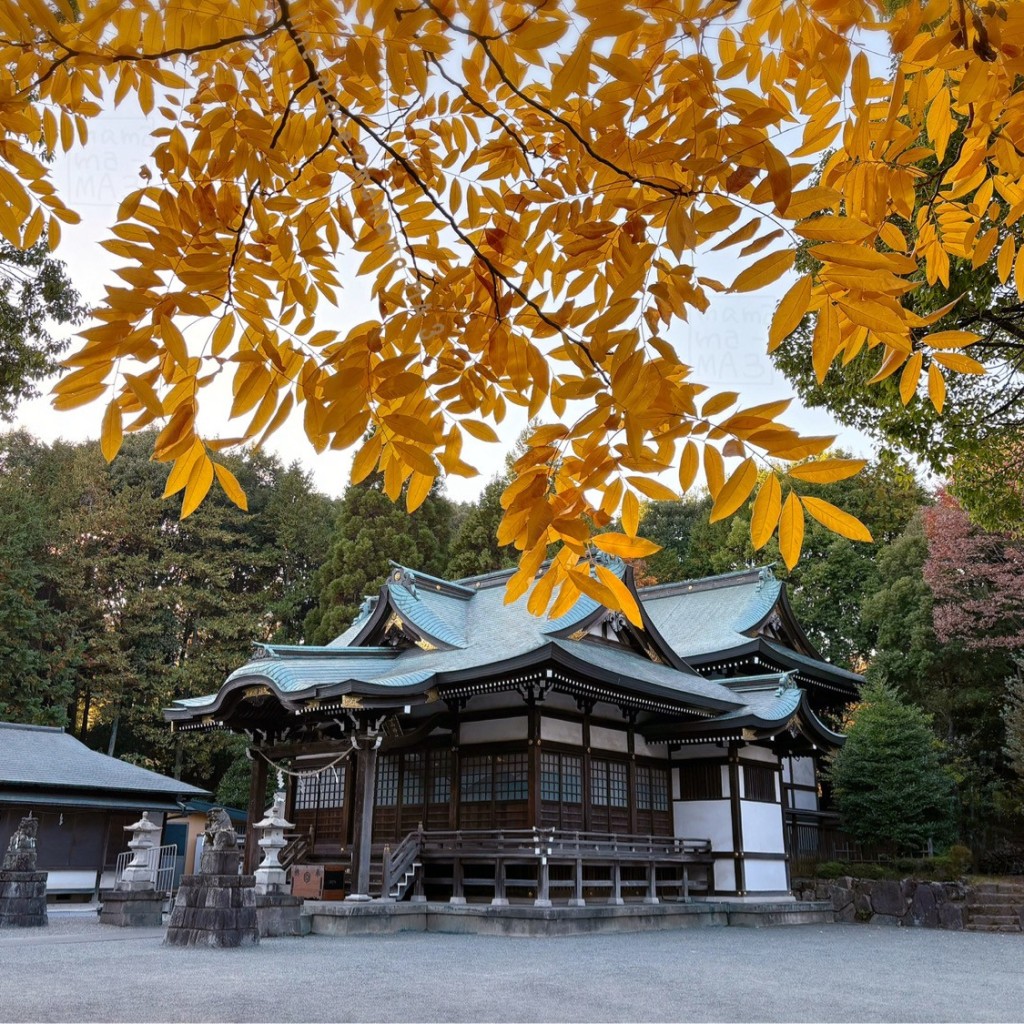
{"x": 737, "y": 817}
{"x": 362, "y": 839}
{"x": 543, "y": 883}
{"x": 616, "y": 896}
{"x": 631, "y": 792}
{"x": 577, "y": 896}
{"x": 533, "y": 764}
{"x": 257, "y": 795}
{"x": 500, "y": 899}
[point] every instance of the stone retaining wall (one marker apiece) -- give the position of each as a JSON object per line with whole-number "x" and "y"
{"x": 910, "y": 903}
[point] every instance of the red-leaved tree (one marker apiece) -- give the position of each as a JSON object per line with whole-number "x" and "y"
{"x": 977, "y": 579}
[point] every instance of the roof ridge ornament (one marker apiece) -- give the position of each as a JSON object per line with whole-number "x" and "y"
{"x": 366, "y": 608}
{"x": 402, "y": 577}
{"x": 788, "y": 682}
{"x": 766, "y": 574}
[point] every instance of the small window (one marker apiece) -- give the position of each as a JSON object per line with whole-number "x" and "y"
{"x": 700, "y": 782}
{"x": 609, "y": 784}
{"x": 759, "y": 783}
{"x": 651, "y": 789}
{"x": 387, "y": 780}
{"x": 412, "y": 780}
{"x": 440, "y": 777}
{"x": 561, "y": 778}
{"x": 511, "y": 777}
{"x": 319, "y": 789}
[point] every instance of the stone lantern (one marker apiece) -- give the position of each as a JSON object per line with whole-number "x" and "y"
{"x": 140, "y": 874}
{"x": 270, "y": 875}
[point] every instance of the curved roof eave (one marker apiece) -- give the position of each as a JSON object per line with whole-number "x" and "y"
{"x": 789, "y": 659}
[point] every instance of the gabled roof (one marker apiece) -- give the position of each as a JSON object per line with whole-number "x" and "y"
{"x": 34, "y": 757}
{"x": 716, "y": 613}
{"x": 422, "y": 638}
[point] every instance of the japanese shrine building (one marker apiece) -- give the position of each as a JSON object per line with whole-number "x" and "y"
{"x": 448, "y": 742}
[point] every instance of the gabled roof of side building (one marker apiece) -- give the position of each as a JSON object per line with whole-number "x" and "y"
{"x": 46, "y": 764}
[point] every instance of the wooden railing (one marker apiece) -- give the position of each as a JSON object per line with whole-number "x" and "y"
{"x": 816, "y": 836}
{"x": 586, "y": 853}
{"x": 399, "y": 861}
{"x": 297, "y": 849}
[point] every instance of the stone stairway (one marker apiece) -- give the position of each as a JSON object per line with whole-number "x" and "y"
{"x": 995, "y": 907}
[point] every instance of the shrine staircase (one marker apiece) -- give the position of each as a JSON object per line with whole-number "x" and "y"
{"x": 995, "y": 907}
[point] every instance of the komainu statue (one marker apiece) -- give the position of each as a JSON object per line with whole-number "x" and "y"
{"x": 21, "y": 850}
{"x": 220, "y": 833}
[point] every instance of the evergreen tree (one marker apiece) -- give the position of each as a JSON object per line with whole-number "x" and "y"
{"x": 475, "y": 549}
{"x": 888, "y": 783}
{"x": 371, "y": 530}
{"x": 1013, "y": 716}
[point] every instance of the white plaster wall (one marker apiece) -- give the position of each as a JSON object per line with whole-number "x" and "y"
{"x": 557, "y": 730}
{"x": 762, "y": 827}
{"x": 496, "y": 731}
{"x": 752, "y": 753}
{"x": 726, "y": 787}
{"x": 645, "y": 749}
{"x": 560, "y": 702}
{"x": 765, "y": 876}
{"x": 608, "y": 739}
{"x": 803, "y": 771}
{"x": 786, "y": 773}
{"x": 725, "y": 875}
{"x": 698, "y": 751}
{"x": 804, "y": 800}
{"x": 704, "y": 819}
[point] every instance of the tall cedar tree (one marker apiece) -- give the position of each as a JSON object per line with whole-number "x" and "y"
{"x": 887, "y": 781}
{"x": 150, "y": 608}
{"x": 370, "y": 530}
{"x": 475, "y": 549}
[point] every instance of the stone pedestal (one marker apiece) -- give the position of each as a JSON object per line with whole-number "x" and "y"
{"x": 217, "y": 907}
{"x": 278, "y": 913}
{"x": 129, "y": 908}
{"x": 214, "y": 910}
{"x": 22, "y": 898}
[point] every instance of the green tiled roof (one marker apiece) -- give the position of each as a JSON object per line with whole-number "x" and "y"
{"x": 712, "y": 614}
{"x": 469, "y": 631}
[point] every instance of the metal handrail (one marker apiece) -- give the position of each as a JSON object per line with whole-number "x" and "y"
{"x": 398, "y": 861}
{"x": 161, "y": 858}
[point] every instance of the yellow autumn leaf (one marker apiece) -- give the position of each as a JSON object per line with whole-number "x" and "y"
{"x": 111, "y": 435}
{"x": 231, "y": 487}
{"x": 836, "y": 520}
{"x": 688, "y": 465}
{"x": 936, "y": 387}
{"x": 791, "y": 530}
{"x": 198, "y": 485}
{"x": 622, "y": 595}
{"x": 630, "y": 513}
{"x": 735, "y": 491}
{"x": 827, "y": 471}
{"x": 764, "y": 271}
{"x": 767, "y": 509}
{"x": 621, "y": 546}
{"x": 910, "y": 378}
{"x": 714, "y": 470}
{"x": 958, "y": 362}
{"x": 789, "y": 312}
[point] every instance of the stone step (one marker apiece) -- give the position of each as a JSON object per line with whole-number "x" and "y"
{"x": 993, "y": 928}
{"x": 1011, "y": 921}
{"x": 994, "y": 906}
{"x": 1002, "y": 888}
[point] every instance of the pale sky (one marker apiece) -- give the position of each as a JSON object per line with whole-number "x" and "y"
{"x": 727, "y": 346}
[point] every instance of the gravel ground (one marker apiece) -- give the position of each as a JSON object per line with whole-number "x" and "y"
{"x": 78, "y": 970}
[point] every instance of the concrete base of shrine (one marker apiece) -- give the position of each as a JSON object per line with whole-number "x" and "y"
{"x": 379, "y": 917}
{"x": 278, "y": 914}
